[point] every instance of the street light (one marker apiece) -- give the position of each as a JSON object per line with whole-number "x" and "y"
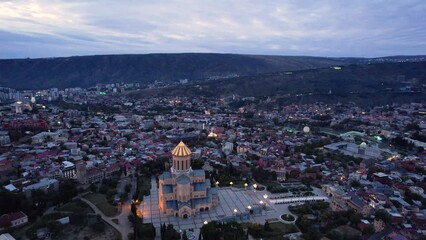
{"x": 231, "y": 183}
{"x": 306, "y": 129}
{"x": 265, "y": 196}
{"x": 217, "y": 183}
{"x": 205, "y": 222}
{"x": 255, "y": 186}
{"x": 245, "y": 185}
{"x": 235, "y": 211}
{"x": 249, "y": 207}
{"x": 263, "y": 204}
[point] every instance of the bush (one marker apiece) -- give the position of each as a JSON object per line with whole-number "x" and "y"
{"x": 287, "y": 217}
{"x": 266, "y": 227}
{"x": 131, "y": 218}
{"x": 99, "y": 227}
{"x": 124, "y": 197}
{"x": 127, "y": 188}
{"x": 103, "y": 189}
{"x": 78, "y": 219}
{"x": 111, "y": 192}
{"x": 146, "y": 230}
{"x": 255, "y": 230}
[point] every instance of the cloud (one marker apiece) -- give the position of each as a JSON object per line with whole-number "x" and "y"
{"x": 44, "y": 28}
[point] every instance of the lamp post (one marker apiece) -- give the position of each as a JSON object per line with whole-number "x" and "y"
{"x": 235, "y": 211}
{"x": 231, "y": 183}
{"x": 217, "y": 183}
{"x": 265, "y": 196}
{"x": 255, "y": 187}
{"x": 205, "y": 222}
{"x": 249, "y": 208}
{"x": 245, "y": 186}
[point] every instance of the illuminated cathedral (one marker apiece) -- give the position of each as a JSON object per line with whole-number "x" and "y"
{"x": 184, "y": 192}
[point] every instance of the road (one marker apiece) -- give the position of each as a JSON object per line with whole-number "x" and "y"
{"x": 124, "y": 227}
{"x": 107, "y": 219}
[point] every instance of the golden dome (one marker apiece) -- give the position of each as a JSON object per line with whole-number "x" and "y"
{"x": 181, "y": 150}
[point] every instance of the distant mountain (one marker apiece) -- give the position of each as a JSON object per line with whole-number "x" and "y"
{"x": 378, "y": 83}
{"x": 88, "y": 71}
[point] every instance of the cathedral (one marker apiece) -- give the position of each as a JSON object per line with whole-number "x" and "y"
{"x": 184, "y": 192}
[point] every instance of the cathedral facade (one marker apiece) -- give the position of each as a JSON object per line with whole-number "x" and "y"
{"x": 182, "y": 191}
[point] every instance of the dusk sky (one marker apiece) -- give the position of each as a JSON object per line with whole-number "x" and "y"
{"x": 357, "y": 28}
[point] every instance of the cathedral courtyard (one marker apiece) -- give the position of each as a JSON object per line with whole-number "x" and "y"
{"x": 231, "y": 199}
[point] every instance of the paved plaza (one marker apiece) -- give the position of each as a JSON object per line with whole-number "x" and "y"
{"x": 230, "y": 199}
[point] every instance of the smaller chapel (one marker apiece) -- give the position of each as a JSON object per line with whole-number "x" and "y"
{"x": 182, "y": 191}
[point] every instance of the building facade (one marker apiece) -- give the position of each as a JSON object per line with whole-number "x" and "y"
{"x": 13, "y": 219}
{"x": 184, "y": 192}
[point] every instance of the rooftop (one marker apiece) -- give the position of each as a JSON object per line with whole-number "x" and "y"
{"x": 181, "y": 150}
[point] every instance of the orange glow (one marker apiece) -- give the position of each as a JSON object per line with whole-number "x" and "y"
{"x": 138, "y": 213}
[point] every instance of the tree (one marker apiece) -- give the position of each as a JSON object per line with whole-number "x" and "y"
{"x": 146, "y": 230}
{"x": 276, "y": 121}
{"x": 170, "y": 233}
{"x": 124, "y": 197}
{"x": 127, "y": 187}
{"x": 255, "y": 230}
{"x": 274, "y": 175}
{"x": 210, "y": 231}
{"x": 131, "y": 218}
{"x": 369, "y": 230}
{"x": 163, "y": 230}
{"x": 131, "y": 236}
{"x": 99, "y": 227}
{"x": 355, "y": 184}
{"x": 337, "y": 235}
{"x": 355, "y": 218}
{"x": 382, "y": 215}
{"x": 184, "y": 235}
{"x": 412, "y": 127}
{"x": 266, "y": 227}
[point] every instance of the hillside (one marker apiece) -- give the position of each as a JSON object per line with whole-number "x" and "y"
{"x": 86, "y": 71}
{"x": 368, "y": 82}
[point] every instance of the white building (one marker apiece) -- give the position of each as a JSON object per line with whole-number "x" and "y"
{"x": 13, "y": 219}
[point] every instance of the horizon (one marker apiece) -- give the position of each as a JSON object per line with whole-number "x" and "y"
{"x": 44, "y": 29}
{"x": 218, "y": 53}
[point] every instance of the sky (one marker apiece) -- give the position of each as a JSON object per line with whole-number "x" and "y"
{"x": 334, "y": 28}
